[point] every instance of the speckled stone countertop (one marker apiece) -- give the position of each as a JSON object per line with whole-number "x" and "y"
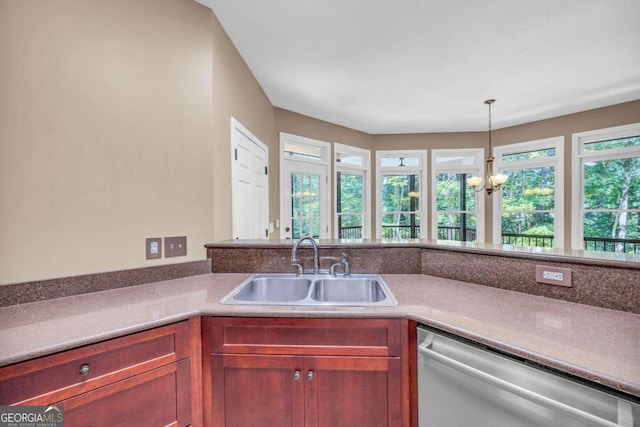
{"x": 598, "y": 344}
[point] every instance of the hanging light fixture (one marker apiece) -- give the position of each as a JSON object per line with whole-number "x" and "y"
{"x": 491, "y": 182}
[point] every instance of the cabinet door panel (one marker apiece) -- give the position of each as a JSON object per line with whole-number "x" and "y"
{"x": 156, "y": 398}
{"x": 258, "y": 391}
{"x": 354, "y": 392}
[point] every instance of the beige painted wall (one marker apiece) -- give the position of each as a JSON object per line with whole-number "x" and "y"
{"x": 114, "y": 127}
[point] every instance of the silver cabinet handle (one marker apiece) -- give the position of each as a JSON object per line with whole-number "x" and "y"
{"x": 310, "y": 375}
{"x": 296, "y": 375}
{"x": 84, "y": 370}
{"x": 515, "y": 389}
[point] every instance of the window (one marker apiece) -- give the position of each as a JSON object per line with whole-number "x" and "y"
{"x": 606, "y": 188}
{"x": 401, "y": 179}
{"x": 529, "y": 209}
{"x": 459, "y": 210}
{"x": 304, "y": 188}
{"x": 353, "y": 192}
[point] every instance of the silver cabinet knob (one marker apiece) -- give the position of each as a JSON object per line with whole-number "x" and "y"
{"x": 84, "y": 370}
{"x": 296, "y": 375}
{"x": 310, "y": 375}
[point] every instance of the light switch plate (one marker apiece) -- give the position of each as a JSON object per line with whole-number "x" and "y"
{"x": 154, "y": 247}
{"x": 175, "y": 246}
{"x": 553, "y": 275}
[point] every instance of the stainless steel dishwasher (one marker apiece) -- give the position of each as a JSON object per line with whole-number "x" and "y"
{"x": 461, "y": 385}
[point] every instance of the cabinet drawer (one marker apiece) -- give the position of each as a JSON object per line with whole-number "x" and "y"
{"x": 342, "y": 337}
{"x": 59, "y": 376}
{"x": 159, "y": 397}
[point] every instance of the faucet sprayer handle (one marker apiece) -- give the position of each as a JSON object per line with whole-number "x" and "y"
{"x": 345, "y": 266}
{"x": 332, "y": 269}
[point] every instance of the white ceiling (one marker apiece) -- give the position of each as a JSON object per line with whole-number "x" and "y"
{"x": 407, "y": 66}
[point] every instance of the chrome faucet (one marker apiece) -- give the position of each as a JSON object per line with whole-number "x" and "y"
{"x": 295, "y": 262}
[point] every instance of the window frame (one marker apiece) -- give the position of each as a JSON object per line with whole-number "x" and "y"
{"x": 580, "y": 156}
{"x": 420, "y": 170}
{"x": 324, "y": 160}
{"x": 365, "y": 171}
{"x": 477, "y": 169}
{"x": 557, "y": 161}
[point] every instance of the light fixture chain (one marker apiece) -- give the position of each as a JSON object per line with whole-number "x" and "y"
{"x": 490, "y": 129}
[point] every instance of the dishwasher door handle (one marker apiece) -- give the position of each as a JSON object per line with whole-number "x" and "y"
{"x": 515, "y": 389}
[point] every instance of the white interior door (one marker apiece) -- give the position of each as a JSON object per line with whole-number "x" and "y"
{"x": 250, "y": 185}
{"x": 304, "y": 191}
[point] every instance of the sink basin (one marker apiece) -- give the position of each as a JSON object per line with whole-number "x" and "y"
{"x": 353, "y": 289}
{"x": 274, "y": 289}
{"x": 309, "y": 290}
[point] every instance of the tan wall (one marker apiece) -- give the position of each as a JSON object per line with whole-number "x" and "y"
{"x": 114, "y": 127}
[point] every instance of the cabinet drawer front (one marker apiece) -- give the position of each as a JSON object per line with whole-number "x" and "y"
{"x": 364, "y": 337}
{"x": 69, "y": 373}
{"x": 148, "y": 399}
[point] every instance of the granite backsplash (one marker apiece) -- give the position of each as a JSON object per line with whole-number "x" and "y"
{"x": 603, "y": 285}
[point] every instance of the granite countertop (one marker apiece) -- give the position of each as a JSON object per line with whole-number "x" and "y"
{"x": 598, "y": 344}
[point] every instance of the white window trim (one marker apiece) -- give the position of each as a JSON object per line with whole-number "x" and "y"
{"x": 325, "y": 148}
{"x": 365, "y": 169}
{"x": 477, "y": 169}
{"x": 557, "y": 161}
{"x": 421, "y": 169}
{"x": 579, "y": 156}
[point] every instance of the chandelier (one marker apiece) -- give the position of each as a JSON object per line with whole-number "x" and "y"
{"x": 491, "y": 182}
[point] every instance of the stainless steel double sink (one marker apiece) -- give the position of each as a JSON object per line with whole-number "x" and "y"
{"x": 319, "y": 290}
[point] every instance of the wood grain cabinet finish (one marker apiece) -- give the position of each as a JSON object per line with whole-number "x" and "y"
{"x": 143, "y": 379}
{"x": 305, "y": 372}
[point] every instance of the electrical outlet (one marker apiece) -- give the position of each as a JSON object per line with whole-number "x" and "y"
{"x": 553, "y": 275}
{"x": 175, "y": 246}
{"x": 154, "y": 247}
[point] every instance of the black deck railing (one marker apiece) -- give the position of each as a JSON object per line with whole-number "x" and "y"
{"x": 612, "y": 245}
{"x": 544, "y": 241}
{"x": 603, "y": 244}
{"x": 400, "y": 231}
{"x": 350, "y": 232}
{"x": 455, "y": 233}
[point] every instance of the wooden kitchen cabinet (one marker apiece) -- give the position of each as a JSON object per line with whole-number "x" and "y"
{"x": 143, "y": 379}
{"x": 305, "y": 372}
